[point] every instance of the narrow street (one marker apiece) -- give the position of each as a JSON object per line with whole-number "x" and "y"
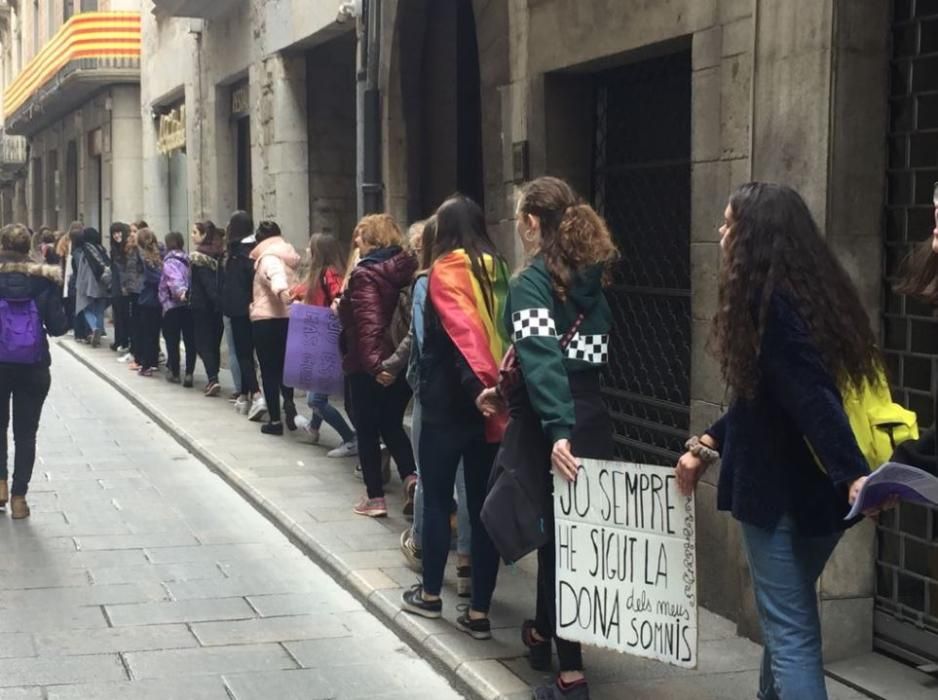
{"x": 143, "y": 575}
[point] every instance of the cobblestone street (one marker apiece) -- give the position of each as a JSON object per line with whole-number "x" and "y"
{"x": 143, "y": 575}
{"x": 311, "y": 496}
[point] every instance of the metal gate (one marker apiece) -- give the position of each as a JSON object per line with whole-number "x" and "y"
{"x": 641, "y": 185}
{"x": 906, "y": 619}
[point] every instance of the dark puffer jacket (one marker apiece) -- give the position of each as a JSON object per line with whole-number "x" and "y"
{"x": 367, "y": 307}
{"x": 207, "y": 280}
{"x": 21, "y": 279}
{"x": 238, "y": 281}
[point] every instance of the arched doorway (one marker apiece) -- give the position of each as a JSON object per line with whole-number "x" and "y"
{"x": 436, "y": 107}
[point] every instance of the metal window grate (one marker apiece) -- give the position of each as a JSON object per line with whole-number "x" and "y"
{"x": 641, "y": 185}
{"x": 907, "y": 558}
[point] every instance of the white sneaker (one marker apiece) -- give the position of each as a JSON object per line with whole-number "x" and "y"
{"x": 258, "y": 409}
{"x": 346, "y": 449}
{"x": 125, "y": 358}
{"x": 242, "y": 405}
{"x": 308, "y": 433}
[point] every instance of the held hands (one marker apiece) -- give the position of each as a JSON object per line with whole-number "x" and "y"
{"x": 489, "y": 402}
{"x": 385, "y": 378}
{"x": 688, "y": 471}
{"x": 562, "y": 460}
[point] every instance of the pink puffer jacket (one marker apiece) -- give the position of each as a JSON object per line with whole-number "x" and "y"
{"x": 275, "y": 265}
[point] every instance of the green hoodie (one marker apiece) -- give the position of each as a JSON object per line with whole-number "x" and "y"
{"x": 537, "y": 319}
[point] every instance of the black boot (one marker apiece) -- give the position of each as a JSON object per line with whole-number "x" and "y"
{"x": 272, "y": 428}
{"x": 289, "y": 415}
{"x": 539, "y": 651}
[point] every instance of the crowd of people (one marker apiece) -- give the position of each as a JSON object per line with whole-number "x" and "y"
{"x": 503, "y": 370}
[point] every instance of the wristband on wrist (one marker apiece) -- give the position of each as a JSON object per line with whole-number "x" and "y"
{"x": 707, "y": 455}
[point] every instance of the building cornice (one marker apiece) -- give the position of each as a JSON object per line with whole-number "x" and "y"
{"x": 91, "y": 50}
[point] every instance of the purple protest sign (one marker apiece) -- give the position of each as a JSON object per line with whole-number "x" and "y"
{"x": 313, "y": 361}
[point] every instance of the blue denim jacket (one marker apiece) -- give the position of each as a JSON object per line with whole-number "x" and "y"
{"x": 419, "y": 300}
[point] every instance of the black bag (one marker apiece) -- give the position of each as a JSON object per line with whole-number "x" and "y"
{"x": 515, "y": 512}
{"x": 921, "y": 453}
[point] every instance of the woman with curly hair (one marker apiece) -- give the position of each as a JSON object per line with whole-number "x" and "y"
{"x": 790, "y": 334}
{"x": 558, "y": 319}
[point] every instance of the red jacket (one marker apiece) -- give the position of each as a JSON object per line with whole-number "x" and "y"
{"x": 367, "y": 307}
{"x": 329, "y": 287}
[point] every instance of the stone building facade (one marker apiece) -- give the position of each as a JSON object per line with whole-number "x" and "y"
{"x": 268, "y": 91}
{"x": 71, "y": 71}
{"x": 654, "y": 111}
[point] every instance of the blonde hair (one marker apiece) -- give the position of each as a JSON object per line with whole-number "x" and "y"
{"x": 353, "y": 257}
{"x": 379, "y": 231}
{"x": 63, "y": 246}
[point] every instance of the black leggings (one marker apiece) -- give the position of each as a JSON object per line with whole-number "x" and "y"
{"x": 209, "y": 329}
{"x": 243, "y": 336}
{"x": 120, "y": 306}
{"x": 379, "y": 414}
{"x": 28, "y": 386}
{"x": 148, "y": 336}
{"x": 177, "y": 323}
{"x": 270, "y": 340}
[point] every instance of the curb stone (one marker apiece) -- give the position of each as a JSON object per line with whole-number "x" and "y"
{"x": 480, "y": 679}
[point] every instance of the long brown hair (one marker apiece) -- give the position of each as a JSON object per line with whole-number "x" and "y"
{"x": 324, "y": 252}
{"x": 213, "y": 238}
{"x": 918, "y": 273}
{"x": 149, "y": 247}
{"x": 427, "y": 245}
{"x": 573, "y": 235}
{"x": 774, "y": 248}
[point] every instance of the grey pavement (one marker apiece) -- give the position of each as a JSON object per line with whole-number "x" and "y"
{"x": 311, "y": 497}
{"x": 141, "y": 574}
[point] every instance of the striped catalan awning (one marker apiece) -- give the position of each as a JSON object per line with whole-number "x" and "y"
{"x": 86, "y": 35}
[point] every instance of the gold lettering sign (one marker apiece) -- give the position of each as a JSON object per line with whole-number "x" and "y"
{"x": 172, "y": 133}
{"x": 241, "y": 99}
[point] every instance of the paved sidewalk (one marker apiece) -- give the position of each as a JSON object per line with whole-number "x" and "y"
{"x": 143, "y": 576}
{"x": 311, "y": 497}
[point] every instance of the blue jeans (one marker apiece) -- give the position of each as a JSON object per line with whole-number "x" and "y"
{"x": 463, "y": 526}
{"x": 94, "y": 314}
{"x": 441, "y": 448}
{"x": 785, "y": 567}
{"x": 325, "y": 411}
{"x": 233, "y": 357}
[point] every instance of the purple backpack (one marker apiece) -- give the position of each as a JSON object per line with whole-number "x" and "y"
{"x": 21, "y": 332}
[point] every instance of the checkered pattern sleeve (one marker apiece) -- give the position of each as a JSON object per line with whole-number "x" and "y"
{"x": 534, "y": 334}
{"x": 528, "y": 323}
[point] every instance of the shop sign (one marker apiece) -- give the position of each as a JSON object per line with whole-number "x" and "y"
{"x": 172, "y": 131}
{"x": 627, "y": 562}
{"x": 241, "y": 100}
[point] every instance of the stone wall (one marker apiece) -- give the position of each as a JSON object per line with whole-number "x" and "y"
{"x": 199, "y": 62}
{"x": 119, "y": 189}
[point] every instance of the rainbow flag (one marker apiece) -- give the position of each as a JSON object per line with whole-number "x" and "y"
{"x": 476, "y": 331}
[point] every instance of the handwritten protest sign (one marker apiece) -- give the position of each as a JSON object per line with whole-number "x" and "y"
{"x": 313, "y": 361}
{"x": 626, "y": 562}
